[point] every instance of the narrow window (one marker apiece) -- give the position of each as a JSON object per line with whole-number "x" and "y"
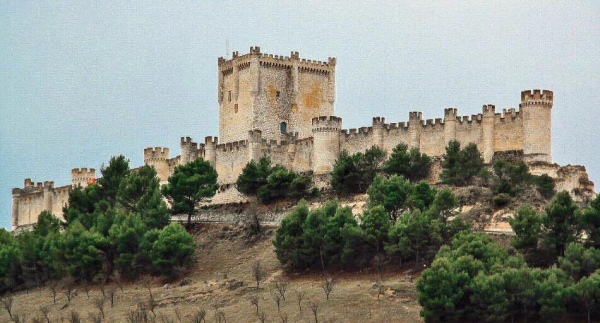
{"x": 278, "y": 94}
{"x": 229, "y": 94}
{"x": 235, "y": 108}
{"x": 283, "y": 127}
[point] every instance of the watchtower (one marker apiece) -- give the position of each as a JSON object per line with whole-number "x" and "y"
{"x": 159, "y": 159}
{"x": 536, "y": 107}
{"x": 326, "y": 136}
{"x": 274, "y": 94}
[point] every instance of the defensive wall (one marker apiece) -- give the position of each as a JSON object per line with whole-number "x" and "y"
{"x": 282, "y": 107}
{"x": 32, "y": 199}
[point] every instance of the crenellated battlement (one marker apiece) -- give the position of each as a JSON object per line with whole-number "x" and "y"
{"x": 477, "y": 118}
{"x": 326, "y": 123}
{"x": 450, "y": 113}
{"x": 379, "y": 121}
{"x": 415, "y": 116}
{"x": 437, "y": 122}
{"x": 187, "y": 141}
{"x": 271, "y": 60}
{"x": 232, "y": 146}
{"x": 211, "y": 141}
{"x": 537, "y": 95}
{"x": 489, "y": 109}
{"x": 156, "y": 154}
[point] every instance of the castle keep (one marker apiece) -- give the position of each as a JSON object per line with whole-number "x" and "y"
{"x": 283, "y": 107}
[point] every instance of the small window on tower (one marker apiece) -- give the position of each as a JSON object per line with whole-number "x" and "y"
{"x": 229, "y": 95}
{"x": 278, "y": 94}
{"x": 283, "y": 127}
{"x": 235, "y": 108}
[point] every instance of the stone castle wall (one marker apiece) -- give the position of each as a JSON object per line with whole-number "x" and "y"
{"x": 31, "y": 200}
{"x": 492, "y": 133}
{"x": 283, "y": 107}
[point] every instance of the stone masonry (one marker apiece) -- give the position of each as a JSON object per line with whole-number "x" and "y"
{"x": 283, "y": 107}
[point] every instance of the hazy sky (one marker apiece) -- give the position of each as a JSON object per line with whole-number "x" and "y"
{"x": 83, "y": 80}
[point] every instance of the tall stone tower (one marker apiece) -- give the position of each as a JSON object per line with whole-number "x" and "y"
{"x": 536, "y": 107}
{"x": 274, "y": 94}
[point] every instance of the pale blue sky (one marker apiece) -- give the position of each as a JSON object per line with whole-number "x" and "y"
{"x": 83, "y": 80}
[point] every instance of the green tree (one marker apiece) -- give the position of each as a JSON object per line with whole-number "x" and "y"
{"x": 112, "y": 176}
{"x": 83, "y": 251}
{"x": 471, "y": 162}
{"x": 579, "y": 261}
{"x": 375, "y": 223}
{"x": 489, "y": 298}
{"x": 442, "y": 291}
{"x": 288, "y": 237}
{"x": 346, "y": 177}
{"x": 545, "y": 185}
{"x": 391, "y": 193}
{"x": 140, "y": 193}
{"x": 174, "y": 248}
{"x": 357, "y": 252}
{"x": 587, "y": 291}
{"x": 551, "y": 297}
{"x": 46, "y": 224}
{"x": 444, "y": 204}
{"x": 10, "y": 265}
{"x": 333, "y": 239}
{"x": 279, "y": 185}
{"x": 589, "y": 222}
{"x": 560, "y": 223}
{"x": 451, "y": 167}
{"x": 511, "y": 177}
{"x": 81, "y": 205}
{"x": 414, "y": 235}
{"x": 459, "y": 166}
{"x": 189, "y": 185}
{"x": 422, "y": 196}
{"x": 527, "y": 226}
{"x": 125, "y": 237}
{"x": 354, "y": 173}
{"x": 254, "y": 176}
{"x": 410, "y": 164}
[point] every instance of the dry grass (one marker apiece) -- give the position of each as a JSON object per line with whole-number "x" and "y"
{"x": 224, "y": 259}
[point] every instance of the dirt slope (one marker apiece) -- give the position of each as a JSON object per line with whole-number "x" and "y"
{"x": 222, "y": 276}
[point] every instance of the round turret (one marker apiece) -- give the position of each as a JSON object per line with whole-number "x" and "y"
{"x": 326, "y": 136}
{"x": 159, "y": 159}
{"x": 536, "y": 107}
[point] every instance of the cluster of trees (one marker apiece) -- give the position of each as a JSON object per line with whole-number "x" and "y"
{"x": 510, "y": 179}
{"x": 542, "y": 237}
{"x": 355, "y": 173}
{"x": 475, "y": 279}
{"x": 403, "y": 221}
{"x": 119, "y": 224}
{"x": 267, "y": 182}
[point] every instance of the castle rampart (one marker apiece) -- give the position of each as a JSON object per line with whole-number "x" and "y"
{"x": 282, "y": 107}
{"x": 31, "y": 200}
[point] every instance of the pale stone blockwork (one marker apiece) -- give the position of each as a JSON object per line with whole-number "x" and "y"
{"x": 283, "y": 107}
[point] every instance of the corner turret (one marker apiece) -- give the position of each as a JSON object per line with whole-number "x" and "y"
{"x": 158, "y": 158}
{"x": 536, "y": 107}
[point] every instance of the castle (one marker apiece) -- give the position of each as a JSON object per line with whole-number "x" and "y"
{"x": 283, "y": 107}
